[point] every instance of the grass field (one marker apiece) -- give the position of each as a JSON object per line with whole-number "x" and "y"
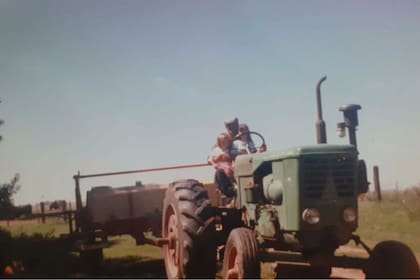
{"x": 388, "y": 221}
{"x": 44, "y": 255}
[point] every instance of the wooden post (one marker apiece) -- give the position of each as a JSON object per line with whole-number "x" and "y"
{"x": 376, "y": 182}
{"x": 70, "y": 219}
{"x": 64, "y": 210}
{"x": 78, "y": 201}
{"x": 43, "y": 212}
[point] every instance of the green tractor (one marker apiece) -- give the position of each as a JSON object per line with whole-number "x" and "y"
{"x": 293, "y": 207}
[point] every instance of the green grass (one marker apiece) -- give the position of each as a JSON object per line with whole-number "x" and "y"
{"x": 388, "y": 221}
{"x": 45, "y": 255}
{"x": 126, "y": 246}
{"x": 123, "y": 245}
{"x": 125, "y": 259}
{"x": 53, "y": 229}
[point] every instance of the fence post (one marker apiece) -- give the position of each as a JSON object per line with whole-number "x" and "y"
{"x": 43, "y": 212}
{"x": 70, "y": 220}
{"x": 376, "y": 182}
{"x": 64, "y": 210}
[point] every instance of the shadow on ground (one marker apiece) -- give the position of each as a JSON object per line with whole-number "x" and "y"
{"x": 133, "y": 267}
{"x": 43, "y": 256}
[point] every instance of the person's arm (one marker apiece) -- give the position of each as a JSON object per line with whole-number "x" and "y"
{"x": 251, "y": 147}
{"x": 222, "y": 157}
{"x": 262, "y": 148}
{"x": 210, "y": 160}
{"x": 213, "y": 153}
{"x": 217, "y": 156}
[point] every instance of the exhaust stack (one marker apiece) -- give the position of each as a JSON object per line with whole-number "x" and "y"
{"x": 320, "y": 124}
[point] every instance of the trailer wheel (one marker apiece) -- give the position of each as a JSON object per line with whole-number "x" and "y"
{"x": 188, "y": 224}
{"x": 392, "y": 259}
{"x": 241, "y": 259}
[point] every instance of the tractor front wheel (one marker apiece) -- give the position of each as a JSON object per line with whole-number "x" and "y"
{"x": 392, "y": 259}
{"x": 241, "y": 259}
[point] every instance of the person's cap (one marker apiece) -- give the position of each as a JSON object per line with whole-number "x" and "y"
{"x": 231, "y": 124}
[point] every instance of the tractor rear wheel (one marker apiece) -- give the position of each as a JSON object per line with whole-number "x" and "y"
{"x": 392, "y": 259}
{"x": 241, "y": 259}
{"x": 188, "y": 224}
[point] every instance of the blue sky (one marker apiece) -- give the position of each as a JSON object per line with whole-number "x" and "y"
{"x": 101, "y": 86}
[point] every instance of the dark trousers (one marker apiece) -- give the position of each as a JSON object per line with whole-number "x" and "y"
{"x": 224, "y": 183}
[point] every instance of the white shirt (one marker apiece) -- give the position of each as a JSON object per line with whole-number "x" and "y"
{"x": 215, "y": 152}
{"x": 240, "y": 147}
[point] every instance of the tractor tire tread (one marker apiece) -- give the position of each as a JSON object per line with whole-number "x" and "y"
{"x": 191, "y": 204}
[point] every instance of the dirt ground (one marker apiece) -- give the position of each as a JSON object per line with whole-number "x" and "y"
{"x": 346, "y": 273}
{"x": 289, "y": 270}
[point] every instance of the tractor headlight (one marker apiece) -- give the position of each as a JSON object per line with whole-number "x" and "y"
{"x": 311, "y": 216}
{"x": 349, "y": 215}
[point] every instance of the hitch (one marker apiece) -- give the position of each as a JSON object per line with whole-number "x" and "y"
{"x": 152, "y": 240}
{"x": 358, "y": 242}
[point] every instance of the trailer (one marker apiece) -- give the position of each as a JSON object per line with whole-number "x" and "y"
{"x": 113, "y": 211}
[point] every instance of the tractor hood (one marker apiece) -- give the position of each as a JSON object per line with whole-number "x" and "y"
{"x": 247, "y": 164}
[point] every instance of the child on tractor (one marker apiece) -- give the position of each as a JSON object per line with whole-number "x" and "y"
{"x": 221, "y": 160}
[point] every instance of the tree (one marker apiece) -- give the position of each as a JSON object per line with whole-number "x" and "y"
{"x": 6, "y": 196}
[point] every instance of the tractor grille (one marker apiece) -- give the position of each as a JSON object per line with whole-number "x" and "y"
{"x": 317, "y": 170}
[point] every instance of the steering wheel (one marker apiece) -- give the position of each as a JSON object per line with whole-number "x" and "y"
{"x": 258, "y": 147}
